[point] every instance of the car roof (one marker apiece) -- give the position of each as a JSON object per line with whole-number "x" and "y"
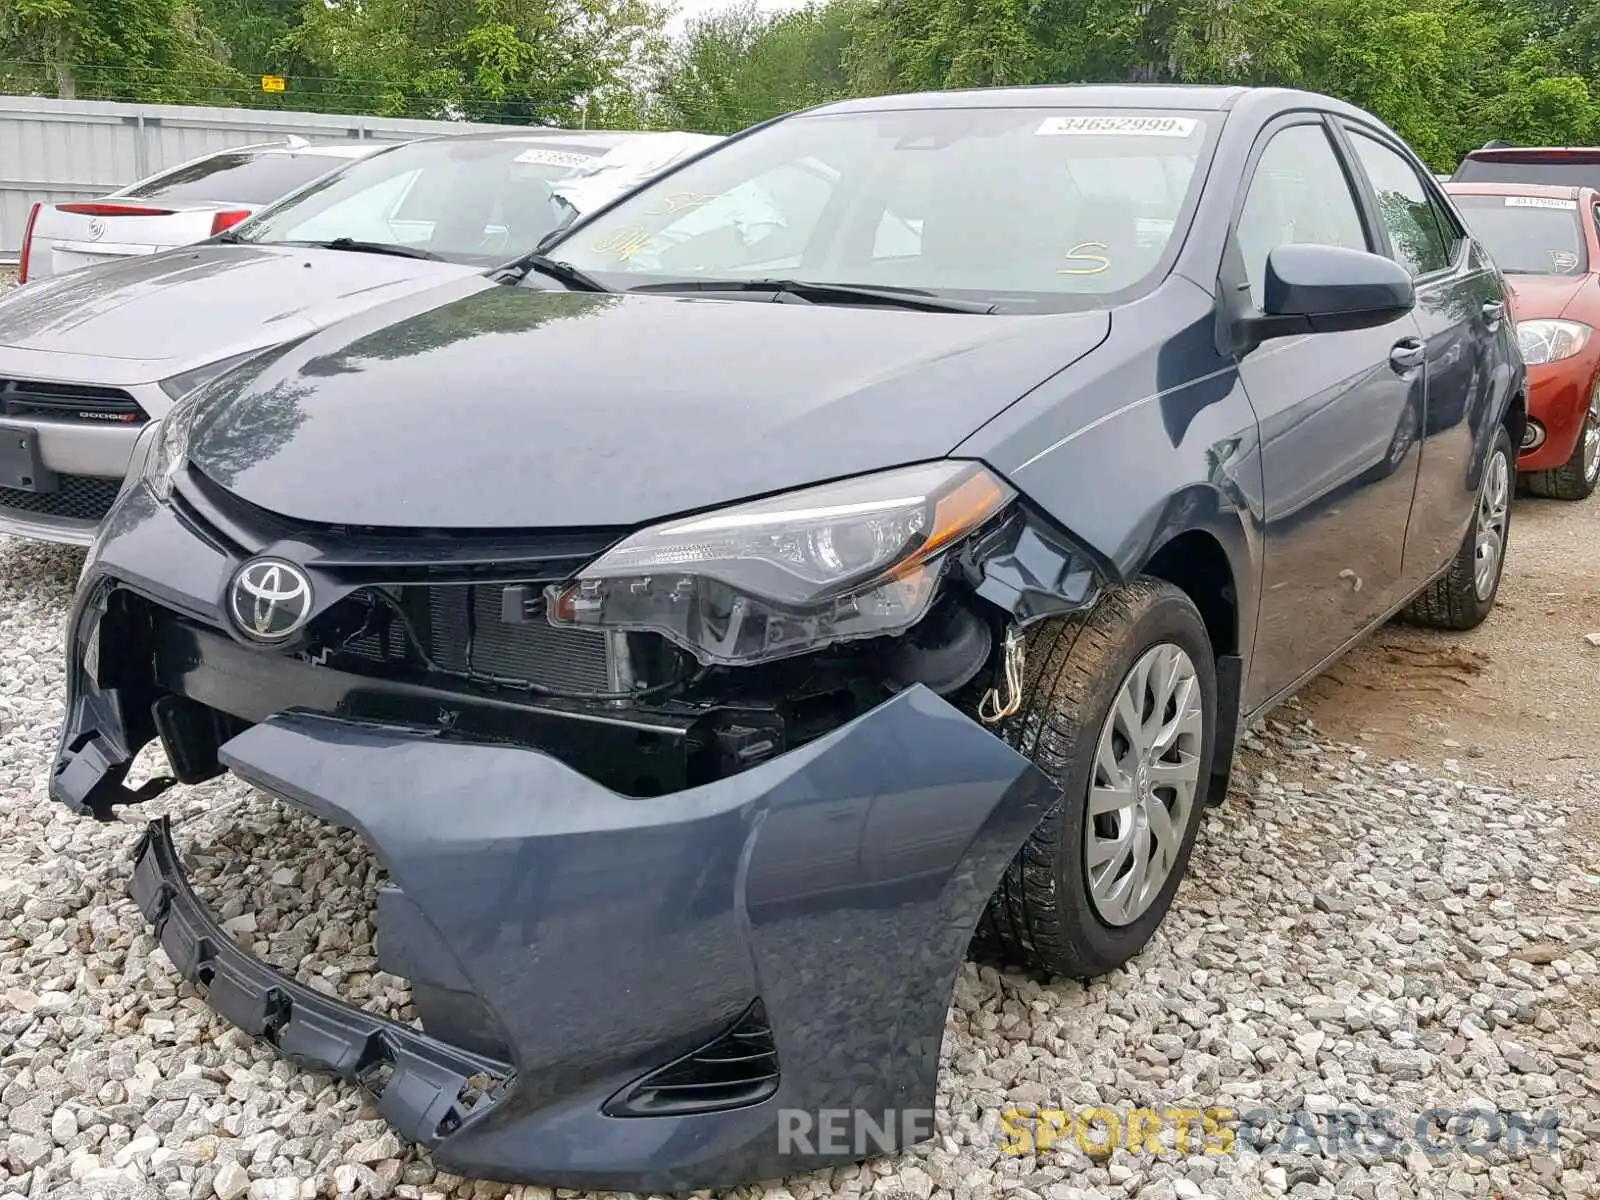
{"x": 322, "y": 150}
{"x": 1537, "y": 153}
{"x": 1199, "y": 98}
{"x": 597, "y": 140}
{"x": 1551, "y": 191}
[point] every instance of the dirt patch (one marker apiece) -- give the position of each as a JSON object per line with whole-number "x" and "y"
{"x": 1514, "y": 700}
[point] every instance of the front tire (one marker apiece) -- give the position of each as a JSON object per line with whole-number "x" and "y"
{"x": 1461, "y": 598}
{"x": 1574, "y": 479}
{"x": 1119, "y": 709}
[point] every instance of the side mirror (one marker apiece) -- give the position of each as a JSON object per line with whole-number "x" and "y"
{"x": 1324, "y": 289}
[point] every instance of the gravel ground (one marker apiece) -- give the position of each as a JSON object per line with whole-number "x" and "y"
{"x": 1356, "y": 933}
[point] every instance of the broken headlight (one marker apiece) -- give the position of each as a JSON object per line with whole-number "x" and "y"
{"x": 856, "y": 559}
{"x": 169, "y": 447}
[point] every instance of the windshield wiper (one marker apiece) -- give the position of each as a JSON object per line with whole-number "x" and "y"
{"x": 826, "y": 293}
{"x": 515, "y": 272}
{"x": 348, "y": 243}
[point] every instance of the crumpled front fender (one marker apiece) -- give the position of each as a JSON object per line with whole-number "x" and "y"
{"x": 837, "y": 885}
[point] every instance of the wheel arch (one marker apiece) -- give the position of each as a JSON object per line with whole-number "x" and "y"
{"x": 1196, "y": 562}
{"x": 1515, "y": 417}
{"x": 1210, "y": 567}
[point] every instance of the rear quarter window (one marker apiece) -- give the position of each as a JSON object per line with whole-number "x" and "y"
{"x": 238, "y": 178}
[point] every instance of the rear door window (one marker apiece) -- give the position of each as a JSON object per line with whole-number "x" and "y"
{"x": 237, "y": 177}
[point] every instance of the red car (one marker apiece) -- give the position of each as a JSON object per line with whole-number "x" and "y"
{"x": 1546, "y": 240}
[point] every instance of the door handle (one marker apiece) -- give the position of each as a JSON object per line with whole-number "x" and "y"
{"x": 1408, "y": 354}
{"x": 1493, "y": 311}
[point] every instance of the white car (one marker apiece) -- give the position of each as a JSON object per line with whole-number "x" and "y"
{"x": 88, "y": 358}
{"x": 182, "y": 205}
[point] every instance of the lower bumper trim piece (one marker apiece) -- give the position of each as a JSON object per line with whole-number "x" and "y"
{"x": 421, "y": 1084}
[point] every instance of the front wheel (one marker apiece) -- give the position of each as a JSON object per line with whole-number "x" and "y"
{"x": 1574, "y": 479}
{"x": 1120, "y": 711}
{"x": 1461, "y": 598}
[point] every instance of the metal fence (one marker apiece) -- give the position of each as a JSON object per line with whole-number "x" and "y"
{"x": 53, "y": 150}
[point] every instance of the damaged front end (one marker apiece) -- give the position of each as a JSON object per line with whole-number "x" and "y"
{"x": 671, "y": 852}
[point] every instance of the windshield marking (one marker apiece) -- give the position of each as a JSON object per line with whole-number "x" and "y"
{"x": 680, "y": 202}
{"x": 1541, "y": 202}
{"x": 624, "y": 243}
{"x": 1076, "y": 254}
{"x": 1173, "y": 127}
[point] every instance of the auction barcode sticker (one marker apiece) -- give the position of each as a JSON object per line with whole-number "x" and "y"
{"x": 1173, "y": 127}
{"x": 1541, "y": 202}
{"x": 555, "y": 158}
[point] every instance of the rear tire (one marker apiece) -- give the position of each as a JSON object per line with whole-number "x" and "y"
{"x": 1574, "y": 479}
{"x": 1055, "y": 912}
{"x": 1461, "y": 598}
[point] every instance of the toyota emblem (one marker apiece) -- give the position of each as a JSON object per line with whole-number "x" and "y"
{"x": 97, "y": 229}
{"x": 270, "y": 599}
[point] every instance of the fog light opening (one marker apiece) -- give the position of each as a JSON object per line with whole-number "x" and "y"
{"x": 1533, "y": 435}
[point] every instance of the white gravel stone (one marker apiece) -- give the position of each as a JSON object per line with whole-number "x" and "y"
{"x": 230, "y": 1182}
{"x": 1355, "y": 934}
{"x": 63, "y": 1126}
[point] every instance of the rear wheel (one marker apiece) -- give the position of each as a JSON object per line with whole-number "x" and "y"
{"x": 1575, "y": 479}
{"x": 1119, "y": 710}
{"x": 1462, "y": 597}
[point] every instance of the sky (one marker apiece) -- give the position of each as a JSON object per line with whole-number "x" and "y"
{"x": 690, "y": 9}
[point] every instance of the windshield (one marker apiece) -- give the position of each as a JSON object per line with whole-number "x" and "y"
{"x": 240, "y": 177}
{"x": 1528, "y": 235}
{"x": 467, "y": 200}
{"x": 1574, "y": 171}
{"x": 1028, "y": 209}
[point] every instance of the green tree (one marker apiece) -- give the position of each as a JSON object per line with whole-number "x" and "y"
{"x": 739, "y": 66}
{"x": 152, "y": 50}
{"x": 519, "y": 61}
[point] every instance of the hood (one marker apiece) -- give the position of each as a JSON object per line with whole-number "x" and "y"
{"x": 154, "y": 316}
{"x": 1536, "y": 296}
{"x": 492, "y": 406}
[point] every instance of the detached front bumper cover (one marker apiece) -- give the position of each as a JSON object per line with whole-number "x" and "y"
{"x": 809, "y": 914}
{"x": 423, "y": 1084}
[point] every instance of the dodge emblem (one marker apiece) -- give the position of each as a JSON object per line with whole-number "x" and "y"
{"x": 270, "y": 599}
{"x": 97, "y": 229}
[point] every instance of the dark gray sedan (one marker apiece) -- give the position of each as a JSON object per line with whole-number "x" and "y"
{"x": 862, "y": 543}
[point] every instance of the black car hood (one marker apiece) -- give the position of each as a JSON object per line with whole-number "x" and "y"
{"x": 480, "y": 405}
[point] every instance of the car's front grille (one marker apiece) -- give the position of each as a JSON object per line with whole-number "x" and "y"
{"x": 76, "y": 498}
{"x": 441, "y": 605}
{"x": 69, "y": 402}
{"x": 461, "y": 629}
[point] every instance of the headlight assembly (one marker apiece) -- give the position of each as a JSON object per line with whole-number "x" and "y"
{"x": 784, "y": 576}
{"x": 1551, "y": 341}
{"x": 170, "y": 447}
